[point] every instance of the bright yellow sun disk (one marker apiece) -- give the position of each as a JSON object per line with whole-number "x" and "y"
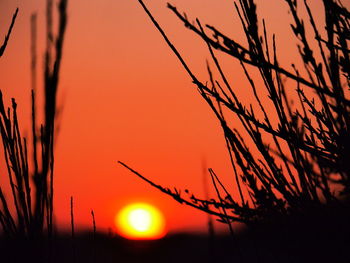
{"x": 140, "y": 221}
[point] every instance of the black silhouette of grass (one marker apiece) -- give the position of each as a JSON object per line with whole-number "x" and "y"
{"x": 294, "y": 165}
{"x": 32, "y": 194}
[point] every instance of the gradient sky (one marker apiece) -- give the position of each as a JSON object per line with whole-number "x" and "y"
{"x": 124, "y": 96}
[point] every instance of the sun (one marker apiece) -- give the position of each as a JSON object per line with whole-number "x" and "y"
{"x": 140, "y": 221}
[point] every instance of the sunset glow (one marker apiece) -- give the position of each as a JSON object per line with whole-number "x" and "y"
{"x": 140, "y": 221}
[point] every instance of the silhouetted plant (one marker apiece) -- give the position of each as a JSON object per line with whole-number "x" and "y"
{"x": 298, "y": 155}
{"x": 29, "y": 211}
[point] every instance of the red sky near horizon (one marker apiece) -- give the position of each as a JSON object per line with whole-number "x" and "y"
{"x": 124, "y": 96}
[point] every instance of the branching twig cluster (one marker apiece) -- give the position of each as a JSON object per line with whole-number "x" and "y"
{"x": 300, "y": 159}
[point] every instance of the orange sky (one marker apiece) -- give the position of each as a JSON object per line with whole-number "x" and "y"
{"x": 125, "y": 97}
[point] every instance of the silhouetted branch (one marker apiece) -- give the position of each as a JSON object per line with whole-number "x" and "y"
{"x": 299, "y": 148}
{"x": 177, "y": 195}
{"x": 7, "y": 37}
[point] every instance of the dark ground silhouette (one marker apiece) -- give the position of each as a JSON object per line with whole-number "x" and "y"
{"x": 320, "y": 236}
